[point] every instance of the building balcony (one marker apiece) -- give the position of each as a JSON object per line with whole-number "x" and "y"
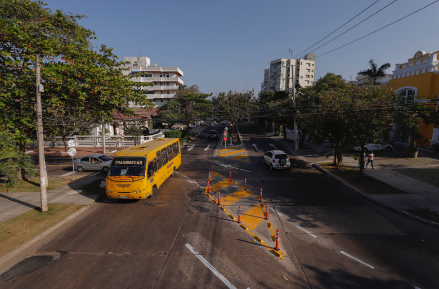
{"x": 159, "y": 79}
{"x": 161, "y": 87}
{"x": 162, "y": 69}
{"x": 160, "y": 96}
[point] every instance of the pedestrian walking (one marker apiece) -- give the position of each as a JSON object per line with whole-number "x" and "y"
{"x": 370, "y": 159}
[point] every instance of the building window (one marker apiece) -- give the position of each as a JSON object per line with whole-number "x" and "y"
{"x": 308, "y": 64}
{"x": 313, "y": 64}
{"x": 307, "y": 70}
{"x": 406, "y": 95}
{"x": 307, "y": 81}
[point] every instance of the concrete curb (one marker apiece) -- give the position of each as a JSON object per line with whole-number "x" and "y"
{"x": 411, "y": 216}
{"x": 47, "y": 232}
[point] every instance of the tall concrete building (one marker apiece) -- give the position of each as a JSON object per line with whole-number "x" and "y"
{"x": 166, "y": 80}
{"x": 284, "y": 74}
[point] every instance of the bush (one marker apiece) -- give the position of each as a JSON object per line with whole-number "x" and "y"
{"x": 173, "y": 133}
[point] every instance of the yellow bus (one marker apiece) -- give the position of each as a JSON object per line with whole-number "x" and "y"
{"x": 137, "y": 171}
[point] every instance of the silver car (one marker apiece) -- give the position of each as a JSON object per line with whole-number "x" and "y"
{"x": 94, "y": 162}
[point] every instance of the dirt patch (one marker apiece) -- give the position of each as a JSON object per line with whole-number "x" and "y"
{"x": 366, "y": 184}
{"x": 424, "y": 213}
{"x": 21, "y": 229}
{"x": 426, "y": 175}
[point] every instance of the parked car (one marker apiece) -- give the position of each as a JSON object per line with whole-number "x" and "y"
{"x": 376, "y": 147}
{"x": 225, "y": 122}
{"x": 212, "y": 134}
{"x": 94, "y": 162}
{"x": 207, "y": 122}
{"x": 276, "y": 159}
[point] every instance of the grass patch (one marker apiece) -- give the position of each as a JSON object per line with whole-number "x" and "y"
{"x": 92, "y": 188}
{"x": 424, "y": 213}
{"x": 21, "y": 229}
{"x": 426, "y": 175}
{"x": 366, "y": 184}
{"x": 33, "y": 185}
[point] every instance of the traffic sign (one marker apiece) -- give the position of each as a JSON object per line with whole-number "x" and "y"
{"x": 72, "y": 152}
{"x": 123, "y": 136}
{"x": 225, "y": 138}
{"x": 272, "y": 123}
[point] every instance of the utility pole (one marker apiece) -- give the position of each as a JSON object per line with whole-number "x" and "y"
{"x": 103, "y": 136}
{"x": 41, "y": 161}
{"x": 296, "y": 144}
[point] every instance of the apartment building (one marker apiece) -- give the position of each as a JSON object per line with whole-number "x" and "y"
{"x": 284, "y": 74}
{"x": 166, "y": 80}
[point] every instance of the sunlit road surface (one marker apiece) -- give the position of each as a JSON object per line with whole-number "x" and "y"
{"x": 181, "y": 237}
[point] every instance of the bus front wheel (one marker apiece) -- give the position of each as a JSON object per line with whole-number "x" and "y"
{"x": 152, "y": 192}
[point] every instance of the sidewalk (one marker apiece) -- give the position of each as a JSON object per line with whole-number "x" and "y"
{"x": 418, "y": 195}
{"x": 15, "y": 204}
{"x": 80, "y": 151}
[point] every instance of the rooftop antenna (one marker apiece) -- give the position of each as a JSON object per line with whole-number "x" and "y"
{"x": 268, "y": 63}
{"x": 291, "y": 52}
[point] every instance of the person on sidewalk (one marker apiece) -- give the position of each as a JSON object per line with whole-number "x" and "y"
{"x": 370, "y": 159}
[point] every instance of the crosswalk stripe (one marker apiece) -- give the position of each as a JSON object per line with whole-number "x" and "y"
{"x": 234, "y": 198}
{"x": 253, "y": 217}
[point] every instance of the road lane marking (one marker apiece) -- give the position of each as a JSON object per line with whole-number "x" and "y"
{"x": 234, "y": 198}
{"x": 256, "y": 147}
{"x": 275, "y": 211}
{"x": 67, "y": 174}
{"x": 253, "y": 217}
{"x": 207, "y": 148}
{"x": 221, "y": 154}
{"x": 197, "y": 184}
{"x": 229, "y": 166}
{"x": 94, "y": 174}
{"x": 210, "y": 267}
{"x": 356, "y": 259}
{"x": 190, "y": 147}
{"x": 220, "y": 185}
{"x": 306, "y": 231}
{"x": 272, "y": 145}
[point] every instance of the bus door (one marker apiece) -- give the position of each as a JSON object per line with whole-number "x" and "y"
{"x": 152, "y": 168}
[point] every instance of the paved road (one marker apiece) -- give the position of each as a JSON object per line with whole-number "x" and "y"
{"x": 330, "y": 237}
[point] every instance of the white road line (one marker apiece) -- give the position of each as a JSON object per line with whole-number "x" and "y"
{"x": 256, "y": 147}
{"x": 190, "y": 147}
{"x": 358, "y": 260}
{"x": 197, "y": 184}
{"x": 94, "y": 174}
{"x": 210, "y": 267}
{"x": 67, "y": 174}
{"x": 229, "y": 166}
{"x": 275, "y": 211}
{"x": 207, "y": 148}
{"x": 272, "y": 145}
{"x": 306, "y": 231}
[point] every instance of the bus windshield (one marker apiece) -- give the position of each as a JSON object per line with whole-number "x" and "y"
{"x": 126, "y": 166}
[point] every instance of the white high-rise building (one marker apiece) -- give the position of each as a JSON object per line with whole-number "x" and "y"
{"x": 166, "y": 79}
{"x": 284, "y": 74}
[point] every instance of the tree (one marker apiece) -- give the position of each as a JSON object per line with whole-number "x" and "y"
{"x": 13, "y": 161}
{"x": 234, "y": 105}
{"x": 75, "y": 76}
{"x": 186, "y": 107}
{"x": 374, "y": 71}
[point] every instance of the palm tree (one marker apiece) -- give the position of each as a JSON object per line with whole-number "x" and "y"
{"x": 374, "y": 72}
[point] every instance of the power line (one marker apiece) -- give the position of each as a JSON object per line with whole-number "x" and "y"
{"x": 356, "y": 25}
{"x": 379, "y": 28}
{"x": 338, "y": 28}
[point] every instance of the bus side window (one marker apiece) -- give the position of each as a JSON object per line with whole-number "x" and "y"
{"x": 164, "y": 156}
{"x": 170, "y": 152}
{"x": 159, "y": 161}
{"x": 151, "y": 168}
{"x": 175, "y": 149}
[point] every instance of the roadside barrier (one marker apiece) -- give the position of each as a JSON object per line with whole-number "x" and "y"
{"x": 239, "y": 214}
{"x": 266, "y": 212}
{"x": 209, "y": 177}
{"x": 208, "y": 186}
{"x": 230, "y": 176}
{"x": 213, "y": 167}
{"x": 219, "y": 198}
{"x": 245, "y": 184}
{"x": 277, "y": 240}
{"x": 260, "y": 196}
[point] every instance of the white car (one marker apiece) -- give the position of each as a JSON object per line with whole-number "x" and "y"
{"x": 276, "y": 159}
{"x": 225, "y": 122}
{"x": 207, "y": 122}
{"x": 375, "y": 147}
{"x": 94, "y": 162}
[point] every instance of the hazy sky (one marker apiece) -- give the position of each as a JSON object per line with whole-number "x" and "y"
{"x": 222, "y": 45}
